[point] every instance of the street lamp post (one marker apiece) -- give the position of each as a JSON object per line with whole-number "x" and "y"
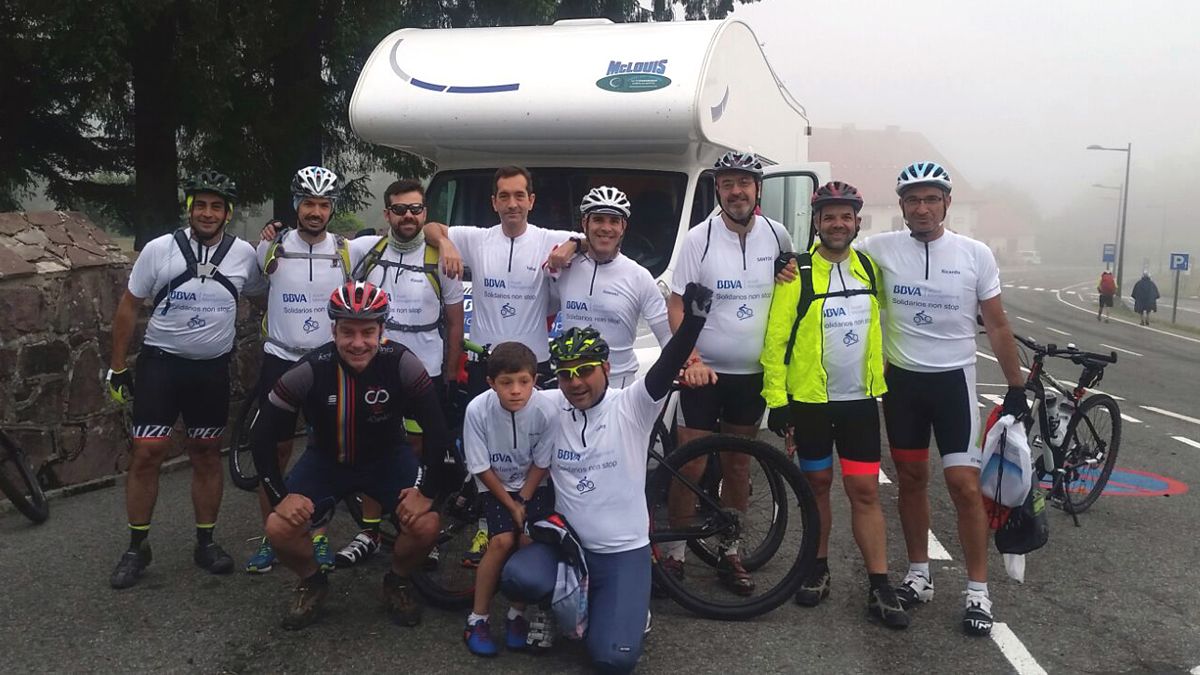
{"x": 1120, "y": 189}
{"x": 1128, "y": 150}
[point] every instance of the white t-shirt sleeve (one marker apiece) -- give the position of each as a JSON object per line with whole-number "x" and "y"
{"x": 261, "y": 252}
{"x": 144, "y": 274}
{"x": 785, "y": 239}
{"x": 687, "y": 269}
{"x": 475, "y": 434}
{"x": 987, "y": 284}
{"x": 256, "y": 281}
{"x": 359, "y": 248}
{"x": 465, "y": 238}
{"x": 638, "y": 408}
{"x": 452, "y": 289}
{"x": 654, "y": 309}
{"x": 544, "y": 450}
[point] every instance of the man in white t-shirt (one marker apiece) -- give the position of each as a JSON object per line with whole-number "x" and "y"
{"x": 733, "y": 253}
{"x": 936, "y": 283}
{"x": 605, "y": 289}
{"x": 509, "y": 292}
{"x": 194, "y": 276}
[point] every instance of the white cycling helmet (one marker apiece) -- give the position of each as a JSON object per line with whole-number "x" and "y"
{"x": 605, "y": 199}
{"x": 923, "y": 173}
{"x": 316, "y": 181}
{"x": 739, "y": 161}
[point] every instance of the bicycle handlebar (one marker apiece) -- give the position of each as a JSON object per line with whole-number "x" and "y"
{"x": 1076, "y": 356}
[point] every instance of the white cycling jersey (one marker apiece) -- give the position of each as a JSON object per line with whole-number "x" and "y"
{"x": 599, "y": 467}
{"x": 846, "y": 321}
{"x": 507, "y": 442}
{"x": 412, "y": 299}
{"x": 509, "y": 292}
{"x": 742, "y": 279}
{"x": 931, "y": 295}
{"x": 298, "y": 299}
{"x": 611, "y": 297}
{"x": 197, "y": 318}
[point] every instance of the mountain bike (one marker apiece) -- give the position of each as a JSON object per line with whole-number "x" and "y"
{"x": 19, "y": 483}
{"x": 1078, "y": 431}
{"x": 777, "y": 534}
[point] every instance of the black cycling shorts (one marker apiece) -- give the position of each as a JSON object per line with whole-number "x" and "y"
{"x": 167, "y": 386}
{"x": 853, "y": 426}
{"x": 272, "y": 369}
{"x": 734, "y": 399}
{"x": 499, "y": 520}
{"x": 326, "y": 482}
{"x": 943, "y": 402}
{"x": 1106, "y": 300}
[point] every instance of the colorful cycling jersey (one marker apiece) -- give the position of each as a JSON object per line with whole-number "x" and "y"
{"x": 611, "y": 297}
{"x": 742, "y": 278}
{"x": 599, "y": 466}
{"x": 354, "y": 417}
{"x": 509, "y": 292}
{"x": 507, "y": 442}
{"x": 196, "y": 319}
{"x": 412, "y": 300}
{"x": 932, "y": 294}
{"x": 298, "y": 299}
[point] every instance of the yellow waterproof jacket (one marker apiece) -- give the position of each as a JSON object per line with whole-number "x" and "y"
{"x": 803, "y": 377}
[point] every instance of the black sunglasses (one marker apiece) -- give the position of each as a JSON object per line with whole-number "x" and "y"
{"x": 401, "y": 209}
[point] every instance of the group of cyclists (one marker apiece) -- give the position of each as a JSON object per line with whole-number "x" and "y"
{"x": 750, "y": 326}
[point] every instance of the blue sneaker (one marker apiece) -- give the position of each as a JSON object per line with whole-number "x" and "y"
{"x": 324, "y": 555}
{"x": 478, "y": 637}
{"x": 516, "y": 631}
{"x": 263, "y": 559}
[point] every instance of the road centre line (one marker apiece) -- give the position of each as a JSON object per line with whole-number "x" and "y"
{"x": 1060, "y": 332}
{"x": 1127, "y": 323}
{"x": 1023, "y": 288}
{"x": 1024, "y": 319}
{"x": 1127, "y": 418}
{"x": 1038, "y": 288}
{"x": 1194, "y": 444}
{"x": 993, "y": 398}
{"x": 1008, "y": 285}
{"x": 1168, "y": 413}
{"x": 1126, "y": 351}
{"x": 993, "y": 359}
{"x": 1016, "y": 653}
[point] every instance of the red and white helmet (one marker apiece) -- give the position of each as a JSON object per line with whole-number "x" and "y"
{"x": 360, "y": 300}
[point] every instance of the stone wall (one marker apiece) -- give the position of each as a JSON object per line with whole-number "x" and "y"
{"x": 60, "y": 280}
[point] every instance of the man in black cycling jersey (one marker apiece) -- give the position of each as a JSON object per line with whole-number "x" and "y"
{"x": 355, "y": 393}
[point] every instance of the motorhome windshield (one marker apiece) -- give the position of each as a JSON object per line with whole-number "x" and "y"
{"x": 464, "y": 198}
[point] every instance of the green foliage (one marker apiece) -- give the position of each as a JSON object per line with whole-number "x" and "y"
{"x": 346, "y": 223}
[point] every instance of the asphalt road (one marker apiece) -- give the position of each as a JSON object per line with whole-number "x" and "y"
{"x": 1118, "y": 594}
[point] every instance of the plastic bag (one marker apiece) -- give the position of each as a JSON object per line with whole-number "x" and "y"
{"x": 1027, "y": 528}
{"x": 1014, "y": 564}
{"x": 1007, "y": 472}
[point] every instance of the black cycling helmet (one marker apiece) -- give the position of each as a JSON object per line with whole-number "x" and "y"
{"x": 578, "y": 343}
{"x": 211, "y": 181}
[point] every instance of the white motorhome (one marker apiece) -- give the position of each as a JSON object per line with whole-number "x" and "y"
{"x": 646, "y": 107}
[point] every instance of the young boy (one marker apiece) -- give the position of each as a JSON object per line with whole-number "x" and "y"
{"x": 506, "y": 440}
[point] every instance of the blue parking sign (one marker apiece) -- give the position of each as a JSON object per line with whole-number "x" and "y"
{"x": 1180, "y": 261}
{"x": 1110, "y": 253}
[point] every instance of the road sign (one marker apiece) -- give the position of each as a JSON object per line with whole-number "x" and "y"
{"x": 1179, "y": 261}
{"x": 1110, "y": 253}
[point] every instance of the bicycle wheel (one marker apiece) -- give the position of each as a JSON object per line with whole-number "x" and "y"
{"x": 19, "y": 484}
{"x": 445, "y": 581}
{"x": 788, "y": 548}
{"x": 761, "y": 535}
{"x": 242, "y": 471}
{"x": 1093, "y": 439}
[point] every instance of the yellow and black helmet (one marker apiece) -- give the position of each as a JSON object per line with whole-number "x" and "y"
{"x": 578, "y": 343}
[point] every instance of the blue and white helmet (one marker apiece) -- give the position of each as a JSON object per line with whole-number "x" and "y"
{"x": 923, "y": 173}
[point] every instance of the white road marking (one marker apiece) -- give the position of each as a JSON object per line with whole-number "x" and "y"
{"x": 1128, "y": 323}
{"x": 1024, "y": 319}
{"x": 996, "y": 400}
{"x": 987, "y": 356}
{"x": 1024, "y": 288}
{"x": 1053, "y": 290}
{"x": 883, "y": 479}
{"x": 936, "y": 550}
{"x": 1008, "y": 285}
{"x": 1127, "y": 418}
{"x": 1038, "y": 288}
{"x": 1168, "y": 413}
{"x": 1194, "y": 444}
{"x": 1126, "y": 351}
{"x": 1055, "y": 330}
{"x": 1016, "y": 653}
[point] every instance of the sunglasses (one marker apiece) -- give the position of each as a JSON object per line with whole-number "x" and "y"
{"x": 401, "y": 209}
{"x": 581, "y": 371}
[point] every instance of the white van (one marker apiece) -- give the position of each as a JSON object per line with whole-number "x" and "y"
{"x": 645, "y": 107}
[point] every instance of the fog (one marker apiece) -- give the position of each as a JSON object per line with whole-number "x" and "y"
{"x": 1014, "y": 92}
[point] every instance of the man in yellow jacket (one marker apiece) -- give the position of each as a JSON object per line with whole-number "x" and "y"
{"x": 822, "y": 371}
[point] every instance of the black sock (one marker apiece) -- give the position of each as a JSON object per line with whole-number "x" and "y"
{"x": 137, "y": 534}
{"x": 878, "y": 580}
{"x": 204, "y": 532}
{"x": 821, "y": 567}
